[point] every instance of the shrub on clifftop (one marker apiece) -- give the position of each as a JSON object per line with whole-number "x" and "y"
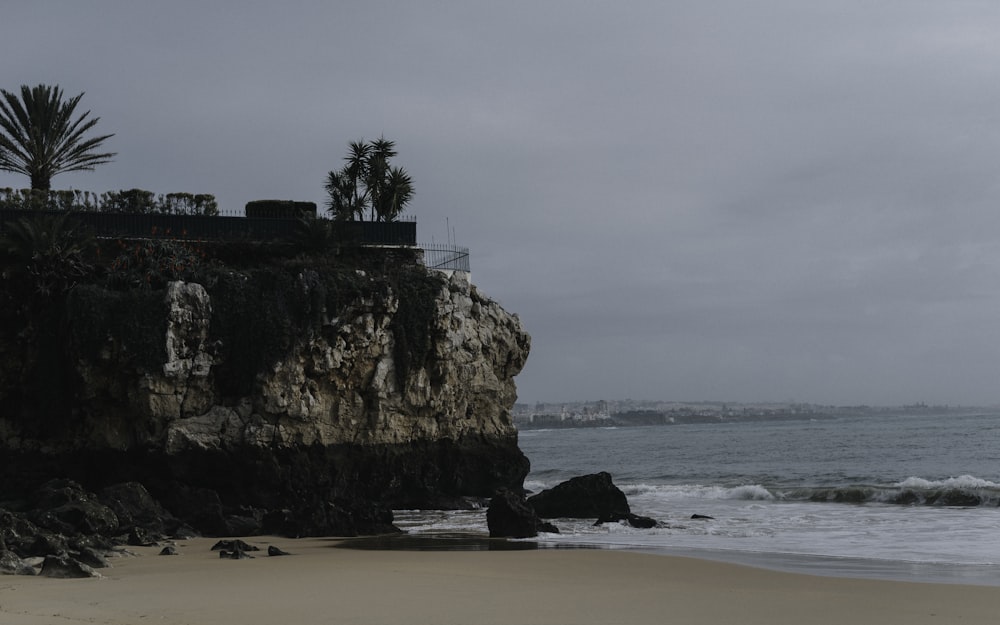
{"x": 367, "y": 182}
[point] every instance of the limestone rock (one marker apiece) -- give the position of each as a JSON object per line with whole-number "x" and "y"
{"x": 358, "y": 412}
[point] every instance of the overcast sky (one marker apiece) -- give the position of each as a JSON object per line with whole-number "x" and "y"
{"x": 703, "y": 200}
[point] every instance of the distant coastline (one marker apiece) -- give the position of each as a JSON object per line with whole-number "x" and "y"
{"x": 632, "y": 413}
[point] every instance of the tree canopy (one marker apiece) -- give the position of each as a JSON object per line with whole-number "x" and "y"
{"x": 368, "y": 183}
{"x": 40, "y": 136}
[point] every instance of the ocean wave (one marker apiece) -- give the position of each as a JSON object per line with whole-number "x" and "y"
{"x": 963, "y": 491}
{"x": 962, "y": 481}
{"x": 750, "y": 492}
{"x": 639, "y": 489}
{"x": 535, "y": 486}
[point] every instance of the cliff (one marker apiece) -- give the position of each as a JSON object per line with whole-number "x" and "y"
{"x": 297, "y": 398}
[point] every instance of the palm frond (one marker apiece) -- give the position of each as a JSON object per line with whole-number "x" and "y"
{"x": 40, "y": 137}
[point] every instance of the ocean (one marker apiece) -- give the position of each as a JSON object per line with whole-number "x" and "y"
{"x": 910, "y": 497}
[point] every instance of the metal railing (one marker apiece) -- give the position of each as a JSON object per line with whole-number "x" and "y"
{"x": 446, "y": 257}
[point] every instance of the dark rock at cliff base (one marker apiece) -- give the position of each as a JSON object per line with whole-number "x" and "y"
{"x": 91, "y": 557}
{"x": 103, "y": 544}
{"x": 338, "y": 517}
{"x": 199, "y": 507}
{"x": 236, "y": 554}
{"x": 588, "y": 496}
{"x": 184, "y": 532}
{"x": 64, "y": 506}
{"x": 235, "y": 549}
{"x": 64, "y": 566}
{"x": 15, "y": 529}
{"x": 353, "y": 515}
{"x": 169, "y": 550}
{"x": 11, "y": 564}
{"x": 242, "y": 525}
{"x": 234, "y": 545}
{"x": 44, "y": 543}
{"x": 509, "y": 516}
{"x": 58, "y": 492}
{"x": 136, "y": 508}
{"x": 140, "y": 537}
{"x": 274, "y": 551}
{"x": 634, "y": 520}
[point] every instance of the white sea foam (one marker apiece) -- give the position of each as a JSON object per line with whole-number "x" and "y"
{"x": 963, "y": 482}
{"x": 699, "y": 491}
{"x": 753, "y": 492}
{"x": 535, "y": 486}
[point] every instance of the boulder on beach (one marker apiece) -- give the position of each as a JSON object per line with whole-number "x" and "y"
{"x": 64, "y": 506}
{"x": 586, "y": 497}
{"x": 510, "y": 517}
{"x": 11, "y": 564}
{"x": 63, "y": 566}
{"x": 234, "y": 545}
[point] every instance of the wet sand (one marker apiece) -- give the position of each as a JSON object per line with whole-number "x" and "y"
{"x": 322, "y": 584}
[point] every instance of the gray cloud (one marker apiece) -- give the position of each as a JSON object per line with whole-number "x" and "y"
{"x": 682, "y": 200}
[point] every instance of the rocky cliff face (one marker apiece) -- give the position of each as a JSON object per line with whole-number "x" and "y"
{"x": 314, "y": 419}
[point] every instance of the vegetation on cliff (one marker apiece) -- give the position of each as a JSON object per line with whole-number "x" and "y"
{"x": 125, "y": 201}
{"x": 367, "y": 182}
{"x": 70, "y": 295}
{"x": 302, "y": 296}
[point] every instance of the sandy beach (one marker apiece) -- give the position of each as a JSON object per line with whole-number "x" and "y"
{"x": 322, "y": 584}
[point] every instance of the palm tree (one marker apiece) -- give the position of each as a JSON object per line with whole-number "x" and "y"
{"x": 377, "y": 175}
{"x": 394, "y": 194}
{"x": 367, "y": 182}
{"x": 40, "y": 137}
{"x": 348, "y": 197}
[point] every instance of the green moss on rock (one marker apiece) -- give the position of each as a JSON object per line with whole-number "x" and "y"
{"x": 131, "y": 323}
{"x": 413, "y": 324}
